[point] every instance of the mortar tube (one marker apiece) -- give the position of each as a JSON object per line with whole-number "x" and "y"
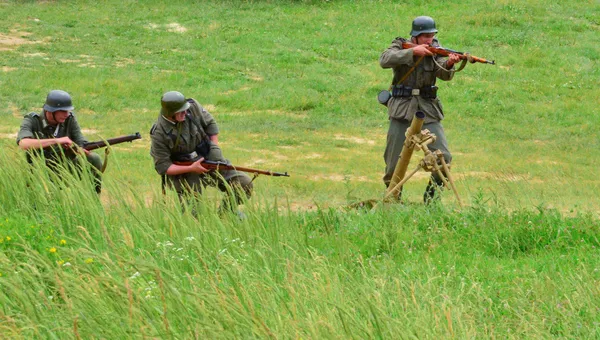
{"x": 407, "y": 150}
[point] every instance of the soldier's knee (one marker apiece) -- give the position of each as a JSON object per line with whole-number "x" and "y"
{"x": 95, "y": 160}
{"x": 242, "y": 183}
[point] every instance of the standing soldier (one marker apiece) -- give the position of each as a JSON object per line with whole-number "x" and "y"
{"x": 183, "y": 128}
{"x": 55, "y": 134}
{"x": 413, "y": 89}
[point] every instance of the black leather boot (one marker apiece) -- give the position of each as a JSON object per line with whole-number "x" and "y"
{"x": 431, "y": 195}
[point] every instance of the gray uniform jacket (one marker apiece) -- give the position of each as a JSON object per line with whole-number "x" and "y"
{"x": 35, "y": 126}
{"x": 168, "y": 137}
{"x": 424, "y": 75}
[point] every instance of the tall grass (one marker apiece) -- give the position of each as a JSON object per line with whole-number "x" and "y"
{"x": 74, "y": 265}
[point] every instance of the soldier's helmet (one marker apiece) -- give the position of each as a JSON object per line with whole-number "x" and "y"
{"x": 58, "y": 100}
{"x": 423, "y": 24}
{"x": 173, "y": 102}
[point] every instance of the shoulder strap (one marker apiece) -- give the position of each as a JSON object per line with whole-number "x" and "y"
{"x": 191, "y": 118}
{"x": 409, "y": 71}
{"x": 195, "y": 115}
{"x": 38, "y": 120}
{"x": 196, "y": 110}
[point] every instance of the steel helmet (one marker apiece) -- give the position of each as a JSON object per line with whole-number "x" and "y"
{"x": 58, "y": 100}
{"x": 423, "y": 24}
{"x": 173, "y": 102}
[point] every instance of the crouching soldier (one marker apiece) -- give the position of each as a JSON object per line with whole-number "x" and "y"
{"x": 55, "y": 134}
{"x": 185, "y": 130}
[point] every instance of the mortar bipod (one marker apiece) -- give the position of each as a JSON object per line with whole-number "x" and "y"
{"x": 430, "y": 162}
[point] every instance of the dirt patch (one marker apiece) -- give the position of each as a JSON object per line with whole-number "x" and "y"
{"x": 271, "y": 112}
{"x": 90, "y": 65}
{"x": 539, "y": 161}
{"x": 124, "y": 62}
{"x": 143, "y": 144}
{"x": 313, "y": 156}
{"x": 8, "y": 69}
{"x": 16, "y": 112}
{"x": 259, "y": 163}
{"x": 287, "y": 114}
{"x": 172, "y": 27}
{"x": 301, "y": 206}
{"x": 35, "y": 55}
{"x": 136, "y": 111}
{"x": 14, "y": 39}
{"x": 209, "y": 107}
{"x": 175, "y": 27}
{"x": 8, "y": 135}
{"x": 340, "y": 178}
{"x": 478, "y": 174}
{"x": 85, "y": 111}
{"x": 89, "y": 131}
{"x": 353, "y": 139}
{"x": 255, "y": 77}
{"x": 245, "y": 88}
{"x": 503, "y": 177}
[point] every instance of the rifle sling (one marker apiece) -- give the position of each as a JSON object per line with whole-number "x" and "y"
{"x": 105, "y": 163}
{"x": 406, "y": 74}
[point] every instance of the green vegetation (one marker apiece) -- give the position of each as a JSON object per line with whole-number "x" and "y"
{"x": 293, "y": 86}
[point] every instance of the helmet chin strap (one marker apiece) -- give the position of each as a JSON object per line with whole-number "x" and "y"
{"x": 56, "y": 130}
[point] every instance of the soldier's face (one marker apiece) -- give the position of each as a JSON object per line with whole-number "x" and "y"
{"x": 425, "y": 38}
{"x": 179, "y": 116}
{"x": 58, "y": 117}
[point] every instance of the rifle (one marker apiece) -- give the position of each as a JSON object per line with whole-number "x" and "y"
{"x": 111, "y": 141}
{"x": 216, "y": 165}
{"x": 446, "y": 52}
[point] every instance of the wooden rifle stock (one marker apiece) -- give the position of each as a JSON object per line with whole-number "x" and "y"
{"x": 215, "y": 165}
{"x": 446, "y": 52}
{"x": 111, "y": 141}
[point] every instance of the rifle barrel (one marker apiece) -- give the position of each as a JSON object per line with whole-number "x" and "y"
{"x": 111, "y": 141}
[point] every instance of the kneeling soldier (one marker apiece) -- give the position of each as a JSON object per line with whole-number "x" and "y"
{"x": 55, "y": 133}
{"x": 185, "y": 130}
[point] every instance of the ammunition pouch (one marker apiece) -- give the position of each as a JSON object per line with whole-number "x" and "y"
{"x": 401, "y": 91}
{"x": 185, "y": 157}
{"x": 201, "y": 150}
{"x": 206, "y": 149}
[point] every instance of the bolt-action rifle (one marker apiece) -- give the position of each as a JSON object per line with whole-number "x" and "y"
{"x": 111, "y": 141}
{"x": 216, "y": 165}
{"x": 446, "y": 52}
{"x": 89, "y": 146}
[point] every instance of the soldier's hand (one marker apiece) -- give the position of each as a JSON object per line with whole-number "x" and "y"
{"x": 421, "y": 51}
{"x": 197, "y": 167}
{"x": 453, "y": 58}
{"x": 65, "y": 142}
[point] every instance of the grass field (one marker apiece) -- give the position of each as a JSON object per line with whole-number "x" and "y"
{"x": 293, "y": 86}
